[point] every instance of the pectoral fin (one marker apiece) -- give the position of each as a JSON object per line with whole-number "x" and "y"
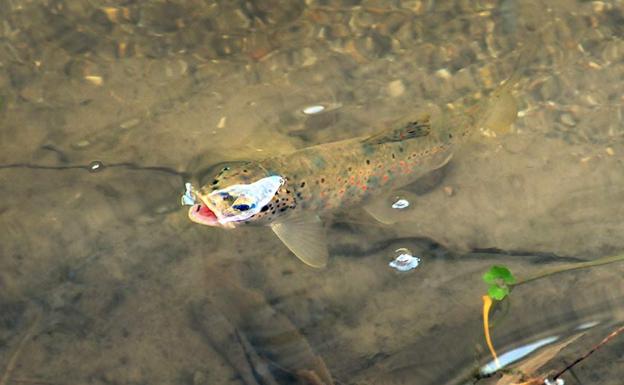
{"x": 304, "y": 235}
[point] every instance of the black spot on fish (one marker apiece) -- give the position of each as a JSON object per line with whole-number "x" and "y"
{"x": 367, "y": 161}
{"x": 215, "y": 181}
{"x": 244, "y": 170}
{"x": 264, "y": 208}
{"x": 350, "y": 169}
{"x": 287, "y": 191}
{"x": 450, "y": 136}
{"x": 283, "y": 209}
{"x": 322, "y": 180}
{"x": 400, "y": 149}
{"x": 302, "y": 184}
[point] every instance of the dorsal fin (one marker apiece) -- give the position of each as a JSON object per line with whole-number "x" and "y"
{"x": 412, "y": 128}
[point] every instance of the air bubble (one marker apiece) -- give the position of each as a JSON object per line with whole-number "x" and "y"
{"x": 405, "y": 261}
{"x": 96, "y": 166}
{"x": 400, "y": 204}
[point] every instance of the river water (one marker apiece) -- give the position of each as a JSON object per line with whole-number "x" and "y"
{"x": 107, "y": 108}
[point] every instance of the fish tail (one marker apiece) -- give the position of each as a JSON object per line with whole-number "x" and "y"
{"x": 497, "y": 112}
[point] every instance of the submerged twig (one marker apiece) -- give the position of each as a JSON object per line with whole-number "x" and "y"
{"x": 258, "y": 366}
{"x": 608, "y": 338}
{"x": 100, "y": 166}
{"x": 8, "y": 370}
{"x": 569, "y": 267}
{"x": 32, "y": 381}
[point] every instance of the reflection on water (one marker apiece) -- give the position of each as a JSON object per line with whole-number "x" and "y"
{"x": 103, "y": 279}
{"x": 516, "y": 354}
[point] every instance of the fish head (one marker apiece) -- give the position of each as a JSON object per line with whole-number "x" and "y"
{"x": 233, "y": 194}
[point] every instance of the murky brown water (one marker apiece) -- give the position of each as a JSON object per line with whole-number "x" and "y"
{"x": 104, "y": 280}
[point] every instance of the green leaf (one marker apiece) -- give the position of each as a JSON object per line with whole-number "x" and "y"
{"x": 498, "y": 293}
{"x": 496, "y": 274}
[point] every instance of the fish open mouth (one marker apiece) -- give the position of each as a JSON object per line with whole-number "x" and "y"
{"x": 200, "y": 213}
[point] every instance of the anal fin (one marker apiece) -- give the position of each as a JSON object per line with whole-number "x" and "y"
{"x": 304, "y": 235}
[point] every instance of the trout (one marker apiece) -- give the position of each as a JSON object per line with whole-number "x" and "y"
{"x": 292, "y": 193}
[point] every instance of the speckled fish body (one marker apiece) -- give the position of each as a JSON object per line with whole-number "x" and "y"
{"x": 343, "y": 174}
{"x": 295, "y": 190}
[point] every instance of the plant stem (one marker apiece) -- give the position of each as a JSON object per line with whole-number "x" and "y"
{"x": 569, "y": 267}
{"x": 487, "y": 304}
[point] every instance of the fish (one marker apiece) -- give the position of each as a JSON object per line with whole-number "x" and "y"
{"x": 293, "y": 193}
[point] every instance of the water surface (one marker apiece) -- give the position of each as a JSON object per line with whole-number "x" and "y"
{"x": 104, "y": 280}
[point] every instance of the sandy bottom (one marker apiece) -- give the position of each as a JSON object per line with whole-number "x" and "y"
{"x": 104, "y": 280}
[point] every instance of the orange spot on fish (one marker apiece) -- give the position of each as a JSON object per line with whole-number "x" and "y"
{"x": 385, "y": 178}
{"x": 364, "y": 188}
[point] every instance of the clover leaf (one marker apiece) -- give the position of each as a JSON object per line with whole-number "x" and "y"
{"x": 498, "y": 278}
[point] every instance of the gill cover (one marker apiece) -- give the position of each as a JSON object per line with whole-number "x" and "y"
{"x": 240, "y": 202}
{"x": 236, "y": 191}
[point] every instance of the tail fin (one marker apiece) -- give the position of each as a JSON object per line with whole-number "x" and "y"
{"x": 500, "y": 110}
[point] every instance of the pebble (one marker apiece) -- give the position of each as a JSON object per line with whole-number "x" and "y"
{"x": 81, "y": 144}
{"x": 94, "y": 79}
{"x": 311, "y": 110}
{"x": 443, "y": 73}
{"x": 568, "y": 120}
{"x": 309, "y": 57}
{"x": 199, "y": 378}
{"x": 396, "y": 88}
{"x": 130, "y": 123}
{"x": 221, "y": 123}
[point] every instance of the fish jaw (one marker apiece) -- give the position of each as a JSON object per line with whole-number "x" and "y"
{"x": 204, "y": 214}
{"x": 200, "y": 213}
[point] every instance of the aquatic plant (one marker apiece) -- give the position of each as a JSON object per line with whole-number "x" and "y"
{"x": 499, "y": 279}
